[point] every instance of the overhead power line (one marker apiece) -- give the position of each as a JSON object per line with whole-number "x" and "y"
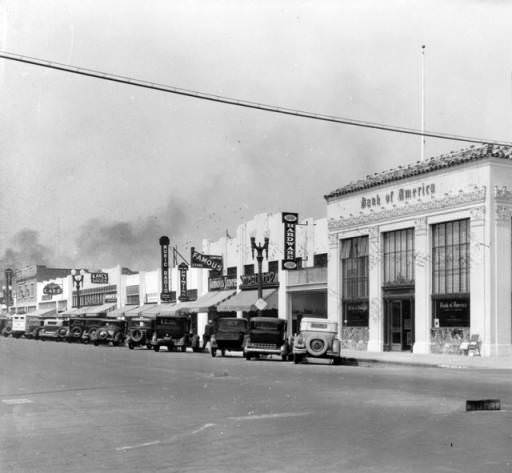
{"x": 241, "y": 103}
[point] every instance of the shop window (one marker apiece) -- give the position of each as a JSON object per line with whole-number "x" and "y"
{"x": 354, "y": 261}
{"x": 320, "y": 260}
{"x": 299, "y": 262}
{"x": 399, "y": 257}
{"x": 214, "y": 273}
{"x": 450, "y": 274}
{"x": 450, "y": 257}
{"x": 273, "y": 266}
{"x": 248, "y": 269}
{"x": 132, "y": 300}
{"x": 232, "y": 272}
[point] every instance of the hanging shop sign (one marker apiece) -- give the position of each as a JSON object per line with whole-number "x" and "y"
{"x": 99, "y": 278}
{"x": 198, "y": 260}
{"x": 268, "y": 280}
{"x": 165, "y": 296}
{"x": 290, "y": 221}
{"x": 183, "y": 269}
{"x": 52, "y": 289}
{"x": 222, "y": 283}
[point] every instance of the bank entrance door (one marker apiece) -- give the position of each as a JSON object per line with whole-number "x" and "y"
{"x": 399, "y": 323}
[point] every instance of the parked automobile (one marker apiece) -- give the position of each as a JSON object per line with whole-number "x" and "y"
{"x": 139, "y": 332}
{"x": 5, "y": 325}
{"x": 54, "y": 329}
{"x": 32, "y": 327}
{"x": 173, "y": 332}
{"x": 24, "y": 325}
{"x": 82, "y": 329}
{"x": 266, "y": 336}
{"x": 228, "y": 334}
{"x": 317, "y": 338}
{"x": 110, "y": 333}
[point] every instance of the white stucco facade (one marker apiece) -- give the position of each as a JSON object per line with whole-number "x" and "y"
{"x": 473, "y": 186}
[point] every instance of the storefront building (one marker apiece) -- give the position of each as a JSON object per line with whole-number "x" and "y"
{"x": 287, "y": 294}
{"x": 27, "y": 285}
{"x": 420, "y": 257}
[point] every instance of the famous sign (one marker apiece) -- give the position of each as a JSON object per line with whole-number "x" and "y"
{"x": 198, "y": 260}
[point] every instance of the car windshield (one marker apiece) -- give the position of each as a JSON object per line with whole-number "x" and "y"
{"x": 272, "y": 326}
{"x": 172, "y": 323}
{"x": 231, "y": 324}
{"x": 140, "y": 323}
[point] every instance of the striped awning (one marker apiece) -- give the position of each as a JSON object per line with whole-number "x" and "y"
{"x": 245, "y": 301}
{"x": 205, "y": 302}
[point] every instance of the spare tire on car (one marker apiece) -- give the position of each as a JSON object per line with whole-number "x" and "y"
{"x": 316, "y": 346}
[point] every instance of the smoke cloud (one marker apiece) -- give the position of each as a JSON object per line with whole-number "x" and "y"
{"x": 102, "y": 244}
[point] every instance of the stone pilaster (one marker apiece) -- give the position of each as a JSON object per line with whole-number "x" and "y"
{"x": 501, "y": 329}
{"x": 334, "y": 289}
{"x": 376, "y": 317}
{"x": 422, "y": 300}
{"x": 480, "y": 286}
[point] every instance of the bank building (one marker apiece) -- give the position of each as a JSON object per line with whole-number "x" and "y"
{"x": 420, "y": 257}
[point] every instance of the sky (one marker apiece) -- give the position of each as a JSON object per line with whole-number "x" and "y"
{"x": 92, "y": 173}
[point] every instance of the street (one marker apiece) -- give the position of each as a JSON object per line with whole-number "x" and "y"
{"x": 79, "y": 408}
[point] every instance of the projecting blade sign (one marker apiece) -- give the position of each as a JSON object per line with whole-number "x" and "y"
{"x": 198, "y": 260}
{"x": 290, "y": 220}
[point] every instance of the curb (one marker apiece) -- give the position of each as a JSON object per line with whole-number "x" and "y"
{"x": 354, "y": 360}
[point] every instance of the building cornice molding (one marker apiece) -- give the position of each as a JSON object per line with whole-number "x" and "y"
{"x": 448, "y": 201}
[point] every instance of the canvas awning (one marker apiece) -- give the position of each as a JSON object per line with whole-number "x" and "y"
{"x": 206, "y": 301}
{"x": 245, "y": 301}
{"x": 96, "y": 310}
{"x": 41, "y": 313}
{"x": 117, "y": 313}
{"x": 73, "y": 312}
{"x": 153, "y": 310}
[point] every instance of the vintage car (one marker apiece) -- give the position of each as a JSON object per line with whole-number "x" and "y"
{"x": 173, "y": 332}
{"x": 25, "y": 325}
{"x": 54, "y": 329}
{"x": 317, "y": 338}
{"x": 82, "y": 329}
{"x": 266, "y": 336}
{"x": 228, "y": 334}
{"x": 5, "y": 325}
{"x": 110, "y": 333}
{"x": 32, "y": 327}
{"x": 139, "y": 332}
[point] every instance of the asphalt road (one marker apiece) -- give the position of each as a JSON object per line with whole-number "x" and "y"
{"x": 79, "y": 408}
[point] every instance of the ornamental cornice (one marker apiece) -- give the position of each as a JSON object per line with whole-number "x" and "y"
{"x": 333, "y": 241}
{"x": 448, "y": 201}
{"x": 503, "y": 213}
{"x": 503, "y": 194}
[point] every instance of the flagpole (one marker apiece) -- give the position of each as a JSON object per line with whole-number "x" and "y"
{"x": 422, "y": 102}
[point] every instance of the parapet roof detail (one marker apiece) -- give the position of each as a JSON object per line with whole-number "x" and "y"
{"x": 443, "y": 161}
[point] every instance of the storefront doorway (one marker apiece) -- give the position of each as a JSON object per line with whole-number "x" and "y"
{"x": 398, "y": 322}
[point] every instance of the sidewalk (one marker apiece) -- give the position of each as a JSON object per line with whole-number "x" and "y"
{"x": 430, "y": 360}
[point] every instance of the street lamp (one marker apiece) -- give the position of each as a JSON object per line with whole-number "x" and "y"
{"x": 78, "y": 278}
{"x": 259, "y": 249}
{"x": 8, "y": 288}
